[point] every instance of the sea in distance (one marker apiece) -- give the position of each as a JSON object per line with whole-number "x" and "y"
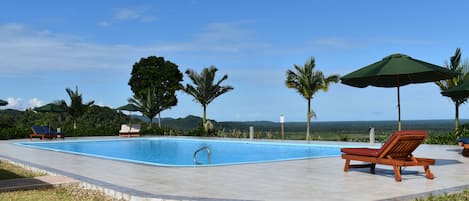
{"x": 320, "y": 127}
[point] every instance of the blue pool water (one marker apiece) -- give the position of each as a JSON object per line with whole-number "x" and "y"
{"x": 180, "y": 152}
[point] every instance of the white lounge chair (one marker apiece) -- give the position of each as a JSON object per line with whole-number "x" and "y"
{"x": 130, "y": 131}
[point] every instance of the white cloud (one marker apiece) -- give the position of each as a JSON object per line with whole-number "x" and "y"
{"x": 224, "y": 37}
{"x": 104, "y": 23}
{"x": 27, "y": 50}
{"x": 20, "y": 104}
{"x": 102, "y": 104}
{"x": 335, "y": 43}
{"x": 35, "y": 102}
{"x": 13, "y": 102}
{"x": 128, "y": 14}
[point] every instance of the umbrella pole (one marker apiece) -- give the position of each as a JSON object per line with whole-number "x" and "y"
{"x": 130, "y": 118}
{"x": 398, "y": 109}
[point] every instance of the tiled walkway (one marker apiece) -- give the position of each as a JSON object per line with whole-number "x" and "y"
{"x": 313, "y": 179}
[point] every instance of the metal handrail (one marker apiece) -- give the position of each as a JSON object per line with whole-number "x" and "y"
{"x": 205, "y": 147}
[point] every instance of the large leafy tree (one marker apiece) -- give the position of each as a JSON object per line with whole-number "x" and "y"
{"x": 462, "y": 68}
{"x": 307, "y": 82}
{"x": 154, "y": 82}
{"x": 205, "y": 90}
{"x": 76, "y": 108}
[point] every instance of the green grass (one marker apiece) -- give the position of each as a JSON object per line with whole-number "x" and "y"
{"x": 69, "y": 192}
{"x": 448, "y": 197}
{"x": 10, "y": 171}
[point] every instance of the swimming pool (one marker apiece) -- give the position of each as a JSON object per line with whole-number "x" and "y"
{"x": 189, "y": 152}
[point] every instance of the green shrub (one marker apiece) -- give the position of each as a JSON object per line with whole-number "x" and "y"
{"x": 200, "y": 131}
{"x": 14, "y": 133}
{"x": 89, "y": 131}
{"x": 164, "y": 131}
{"x": 449, "y": 138}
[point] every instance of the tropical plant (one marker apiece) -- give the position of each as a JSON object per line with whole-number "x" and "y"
{"x": 150, "y": 104}
{"x": 76, "y": 108}
{"x": 156, "y": 80}
{"x": 462, "y": 68}
{"x": 204, "y": 89}
{"x": 307, "y": 82}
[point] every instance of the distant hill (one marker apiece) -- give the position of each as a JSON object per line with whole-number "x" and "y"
{"x": 11, "y": 112}
{"x": 186, "y": 123}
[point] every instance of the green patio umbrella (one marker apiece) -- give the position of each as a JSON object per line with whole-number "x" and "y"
{"x": 131, "y": 108}
{"x": 51, "y": 107}
{"x": 459, "y": 92}
{"x": 3, "y": 103}
{"x": 397, "y": 70}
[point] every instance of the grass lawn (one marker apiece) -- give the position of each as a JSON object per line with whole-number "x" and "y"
{"x": 451, "y": 197}
{"x": 69, "y": 192}
{"x": 10, "y": 171}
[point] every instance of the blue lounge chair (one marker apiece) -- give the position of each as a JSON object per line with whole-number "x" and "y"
{"x": 464, "y": 142}
{"x": 44, "y": 132}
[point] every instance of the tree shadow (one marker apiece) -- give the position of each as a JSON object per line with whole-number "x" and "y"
{"x": 5, "y": 174}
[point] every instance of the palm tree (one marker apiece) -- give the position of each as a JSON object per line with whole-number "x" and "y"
{"x": 307, "y": 82}
{"x": 463, "y": 70}
{"x": 76, "y": 108}
{"x": 150, "y": 104}
{"x": 204, "y": 90}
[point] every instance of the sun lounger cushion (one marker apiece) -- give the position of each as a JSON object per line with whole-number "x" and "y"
{"x": 43, "y": 130}
{"x": 135, "y": 128}
{"x": 361, "y": 151}
{"x": 124, "y": 128}
{"x": 464, "y": 140}
{"x": 38, "y": 130}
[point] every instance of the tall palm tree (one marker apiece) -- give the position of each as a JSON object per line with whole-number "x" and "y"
{"x": 307, "y": 82}
{"x": 76, "y": 108}
{"x": 150, "y": 104}
{"x": 204, "y": 89}
{"x": 463, "y": 70}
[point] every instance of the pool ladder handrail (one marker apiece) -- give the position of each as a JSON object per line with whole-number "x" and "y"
{"x": 205, "y": 147}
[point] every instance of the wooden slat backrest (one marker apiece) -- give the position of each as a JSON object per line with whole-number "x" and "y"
{"x": 401, "y": 144}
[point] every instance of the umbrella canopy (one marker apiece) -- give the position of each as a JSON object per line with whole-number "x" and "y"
{"x": 3, "y": 103}
{"x": 394, "y": 71}
{"x": 129, "y": 107}
{"x": 459, "y": 92}
{"x": 51, "y": 107}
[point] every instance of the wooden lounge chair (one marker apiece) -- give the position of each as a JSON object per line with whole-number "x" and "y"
{"x": 44, "y": 132}
{"x": 464, "y": 142}
{"x": 397, "y": 152}
{"x": 129, "y": 131}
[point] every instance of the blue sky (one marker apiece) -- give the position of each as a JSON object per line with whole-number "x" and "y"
{"x": 47, "y": 46}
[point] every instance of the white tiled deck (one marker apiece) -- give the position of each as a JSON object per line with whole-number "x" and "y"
{"x": 312, "y": 179}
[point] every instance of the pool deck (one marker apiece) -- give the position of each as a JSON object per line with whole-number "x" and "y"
{"x": 311, "y": 179}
